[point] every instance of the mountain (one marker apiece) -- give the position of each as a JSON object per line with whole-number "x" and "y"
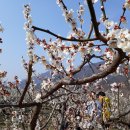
{"x": 87, "y": 70}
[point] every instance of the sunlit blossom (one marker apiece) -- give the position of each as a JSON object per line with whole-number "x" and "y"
{"x": 108, "y": 24}
{"x": 38, "y": 97}
{"x": 94, "y": 1}
{"x": 127, "y": 4}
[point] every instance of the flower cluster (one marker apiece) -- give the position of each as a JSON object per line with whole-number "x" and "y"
{"x": 108, "y": 24}
{"x": 3, "y": 74}
{"x": 17, "y": 118}
{"x": 67, "y": 14}
{"x": 123, "y": 19}
{"x": 121, "y": 39}
{"x": 25, "y": 64}
{"x": 1, "y": 30}
{"x": 127, "y": 4}
{"x": 59, "y": 52}
{"x": 30, "y": 36}
{"x": 114, "y": 87}
{"x": 80, "y": 14}
{"x": 38, "y": 97}
{"x": 46, "y": 84}
{"x": 69, "y": 18}
{"x": 15, "y": 84}
{"x": 3, "y": 90}
{"x": 117, "y": 37}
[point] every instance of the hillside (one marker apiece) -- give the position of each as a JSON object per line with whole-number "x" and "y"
{"x": 86, "y": 71}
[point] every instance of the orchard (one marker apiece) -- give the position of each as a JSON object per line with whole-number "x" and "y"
{"x": 59, "y": 101}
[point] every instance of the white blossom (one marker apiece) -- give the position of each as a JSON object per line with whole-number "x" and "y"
{"x": 108, "y": 24}
{"x": 81, "y": 10}
{"x": 94, "y": 1}
{"x": 97, "y": 49}
{"x": 113, "y": 33}
{"x": 122, "y": 39}
{"x": 1, "y": 28}
{"x": 30, "y": 37}
{"x": 113, "y": 84}
{"x": 38, "y": 97}
{"x": 127, "y": 4}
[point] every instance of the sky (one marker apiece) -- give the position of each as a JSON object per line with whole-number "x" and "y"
{"x": 46, "y": 14}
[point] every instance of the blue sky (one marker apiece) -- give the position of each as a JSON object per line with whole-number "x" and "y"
{"x": 46, "y": 14}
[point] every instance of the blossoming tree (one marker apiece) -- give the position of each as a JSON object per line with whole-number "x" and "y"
{"x": 112, "y": 46}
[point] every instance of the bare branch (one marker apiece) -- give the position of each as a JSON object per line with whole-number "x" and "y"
{"x": 49, "y": 117}
{"x": 81, "y": 65}
{"x": 63, "y": 38}
{"x": 64, "y": 69}
{"x": 90, "y": 32}
{"x": 94, "y": 21}
{"x": 27, "y": 83}
{"x": 112, "y": 68}
{"x": 56, "y": 87}
{"x": 91, "y": 67}
{"x": 124, "y": 10}
{"x": 86, "y": 60}
{"x": 35, "y": 116}
{"x": 23, "y": 105}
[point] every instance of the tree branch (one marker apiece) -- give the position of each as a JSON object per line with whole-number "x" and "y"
{"x": 90, "y": 32}
{"x": 112, "y": 68}
{"x": 35, "y": 116}
{"x": 81, "y": 65}
{"x": 124, "y": 10}
{"x": 104, "y": 13}
{"x": 94, "y": 21}
{"x": 23, "y": 105}
{"x": 27, "y": 83}
{"x": 56, "y": 87}
{"x": 86, "y": 60}
{"x": 63, "y": 38}
{"x": 49, "y": 117}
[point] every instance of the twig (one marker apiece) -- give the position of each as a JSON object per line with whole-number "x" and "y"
{"x": 104, "y": 12}
{"x": 49, "y": 117}
{"x": 124, "y": 10}
{"x": 94, "y": 21}
{"x": 90, "y": 32}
